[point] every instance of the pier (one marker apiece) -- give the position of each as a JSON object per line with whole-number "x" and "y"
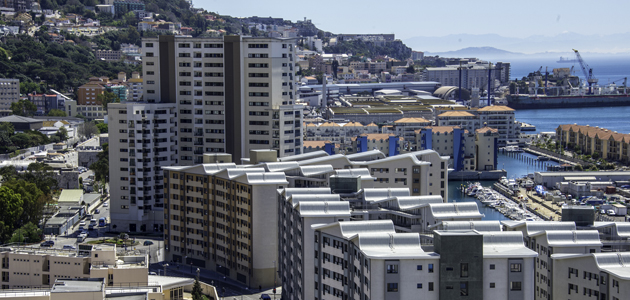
{"x": 535, "y": 204}
{"x": 535, "y": 163}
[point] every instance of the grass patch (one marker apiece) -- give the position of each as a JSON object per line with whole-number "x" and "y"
{"x": 117, "y": 242}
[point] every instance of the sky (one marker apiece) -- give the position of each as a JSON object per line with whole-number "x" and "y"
{"x": 519, "y": 19}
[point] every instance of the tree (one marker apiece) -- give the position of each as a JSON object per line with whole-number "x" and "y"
{"x": 23, "y": 108}
{"x": 410, "y": 69}
{"x": 106, "y": 98}
{"x": 88, "y": 129}
{"x": 102, "y": 127}
{"x": 101, "y": 166}
{"x": 26, "y": 233}
{"x": 33, "y": 200}
{"x": 56, "y": 113}
{"x": 335, "y": 65}
{"x": 10, "y": 210}
{"x": 7, "y": 128}
{"x": 62, "y": 134}
{"x": 196, "y": 290}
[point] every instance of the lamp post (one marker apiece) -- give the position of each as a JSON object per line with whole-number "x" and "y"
{"x": 165, "y": 265}
{"x": 198, "y": 274}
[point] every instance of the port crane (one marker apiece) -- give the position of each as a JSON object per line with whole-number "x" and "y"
{"x": 588, "y": 72}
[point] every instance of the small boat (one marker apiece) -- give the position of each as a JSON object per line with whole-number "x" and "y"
{"x": 543, "y": 158}
{"x": 515, "y": 149}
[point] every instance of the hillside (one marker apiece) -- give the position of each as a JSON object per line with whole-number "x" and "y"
{"x": 40, "y": 63}
{"x": 395, "y": 49}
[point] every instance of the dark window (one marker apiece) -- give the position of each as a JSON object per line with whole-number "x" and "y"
{"x": 392, "y": 287}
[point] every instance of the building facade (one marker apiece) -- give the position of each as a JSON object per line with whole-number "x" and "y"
{"x": 9, "y": 93}
{"x": 200, "y": 75}
{"x": 143, "y": 139}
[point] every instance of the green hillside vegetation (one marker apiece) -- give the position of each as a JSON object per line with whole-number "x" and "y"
{"x": 395, "y": 49}
{"x": 40, "y": 63}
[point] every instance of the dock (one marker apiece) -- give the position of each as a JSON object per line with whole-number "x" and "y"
{"x": 561, "y": 159}
{"x": 536, "y": 204}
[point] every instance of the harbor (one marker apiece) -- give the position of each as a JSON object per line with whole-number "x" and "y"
{"x": 517, "y": 165}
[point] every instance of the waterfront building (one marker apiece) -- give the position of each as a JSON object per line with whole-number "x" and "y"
{"x": 224, "y": 218}
{"x": 500, "y": 118}
{"x": 595, "y": 141}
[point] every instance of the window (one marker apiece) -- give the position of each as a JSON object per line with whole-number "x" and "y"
{"x": 258, "y": 46}
{"x": 515, "y": 267}
{"x": 392, "y": 269}
{"x": 430, "y": 286}
{"x": 492, "y": 267}
{"x": 492, "y": 285}
{"x": 430, "y": 268}
{"x": 463, "y": 270}
{"x": 148, "y": 45}
{"x": 463, "y": 288}
{"x": 392, "y": 287}
{"x": 419, "y": 285}
{"x": 419, "y": 268}
{"x": 515, "y": 285}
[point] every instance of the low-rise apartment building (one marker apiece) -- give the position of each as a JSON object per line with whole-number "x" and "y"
{"x": 34, "y": 267}
{"x": 595, "y": 141}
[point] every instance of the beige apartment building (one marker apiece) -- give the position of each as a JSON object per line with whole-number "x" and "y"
{"x": 224, "y": 218}
{"x": 29, "y": 268}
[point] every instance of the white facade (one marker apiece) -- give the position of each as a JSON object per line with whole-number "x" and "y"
{"x": 142, "y": 140}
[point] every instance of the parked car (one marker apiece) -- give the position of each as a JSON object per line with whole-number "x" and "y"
{"x": 91, "y": 227}
{"x": 69, "y": 247}
{"x": 98, "y": 211}
{"x": 47, "y": 244}
{"x": 265, "y": 297}
{"x": 611, "y": 212}
{"x": 148, "y": 243}
{"x": 106, "y": 204}
{"x": 82, "y": 223}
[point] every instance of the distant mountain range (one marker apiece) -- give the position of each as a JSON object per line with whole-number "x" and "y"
{"x": 560, "y": 44}
{"x": 480, "y": 52}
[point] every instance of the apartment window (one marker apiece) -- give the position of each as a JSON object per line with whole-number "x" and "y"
{"x": 148, "y": 45}
{"x": 392, "y": 287}
{"x": 258, "y": 55}
{"x": 430, "y": 286}
{"x": 492, "y": 267}
{"x": 430, "y": 268}
{"x": 258, "y": 65}
{"x": 213, "y": 45}
{"x": 213, "y": 55}
{"x": 150, "y": 73}
{"x": 419, "y": 285}
{"x": 492, "y": 285}
{"x": 184, "y": 45}
{"x": 258, "y": 74}
{"x": 392, "y": 269}
{"x": 150, "y": 63}
{"x": 258, "y": 46}
{"x": 515, "y": 267}
{"x": 463, "y": 288}
{"x": 463, "y": 270}
{"x": 184, "y": 55}
{"x": 419, "y": 267}
{"x": 149, "y": 54}
{"x": 258, "y": 84}
{"x": 515, "y": 285}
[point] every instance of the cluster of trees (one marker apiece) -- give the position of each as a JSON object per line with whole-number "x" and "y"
{"x": 40, "y": 63}
{"x": 11, "y": 141}
{"x": 101, "y": 166}
{"x": 395, "y": 49}
{"x": 23, "y": 197}
{"x": 23, "y": 108}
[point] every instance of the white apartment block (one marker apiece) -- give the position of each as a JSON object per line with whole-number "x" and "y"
{"x": 9, "y": 92}
{"x": 142, "y": 140}
{"x": 224, "y": 218}
{"x": 234, "y": 94}
{"x": 472, "y": 76}
{"x": 424, "y": 172}
{"x": 369, "y": 260}
{"x": 550, "y": 244}
{"x": 301, "y": 208}
{"x": 591, "y": 276}
{"x": 34, "y": 267}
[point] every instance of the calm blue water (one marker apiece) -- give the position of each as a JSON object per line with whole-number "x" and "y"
{"x": 613, "y": 118}
{"x": 517, "y": 165}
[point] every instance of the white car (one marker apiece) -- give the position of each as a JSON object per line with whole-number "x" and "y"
{"x": 82, "y": 223}
{"x": 611, "y": 212}
{"x": 106, "y": 204}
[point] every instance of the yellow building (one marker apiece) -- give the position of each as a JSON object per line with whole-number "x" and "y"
{"x": 594, "y": 141}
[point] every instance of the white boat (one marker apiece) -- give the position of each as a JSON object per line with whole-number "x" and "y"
{"x": 512, "y": 149}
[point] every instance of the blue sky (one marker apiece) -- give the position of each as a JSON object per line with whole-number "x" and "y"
{"x": 441, "y": 17}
